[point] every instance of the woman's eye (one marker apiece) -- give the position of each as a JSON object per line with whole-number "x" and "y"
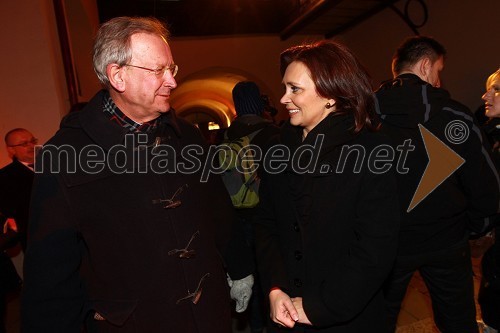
{"x": 294, "y": 89}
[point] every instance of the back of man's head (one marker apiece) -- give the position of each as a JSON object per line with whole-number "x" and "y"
{"x": 412, "y": 50}
{"x": 247, "y": 99}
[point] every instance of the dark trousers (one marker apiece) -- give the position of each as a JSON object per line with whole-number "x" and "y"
{"x": 448, "y": 276}
{"x": 256, "y": 305}
{"x": 9, "y": 282}
{"x": 3, "y": 308}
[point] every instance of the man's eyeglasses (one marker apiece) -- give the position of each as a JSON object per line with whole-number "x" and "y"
{"x": 25, "y": 144}
{"x": 173, "y": 69}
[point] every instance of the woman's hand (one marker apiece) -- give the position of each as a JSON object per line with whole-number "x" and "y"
{"x": 297, "y": 303}
{"x": 282, "y": 310}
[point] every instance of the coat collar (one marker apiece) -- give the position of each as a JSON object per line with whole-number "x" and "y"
{"x": 330, "y": 134}
{"x": 407, "y": 101}
{"x": 337, "y": 129}
{"x": 21, "y": 166}
{"x": 106, "y": 133}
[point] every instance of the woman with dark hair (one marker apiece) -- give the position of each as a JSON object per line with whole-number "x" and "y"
{"x": 327, "y": 223}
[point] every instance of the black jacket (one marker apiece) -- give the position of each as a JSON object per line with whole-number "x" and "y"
{"x": 100, "y": 238}
{"x": 16, "y": 181}
{"x": 464, "y": 202}
{"x": 329, "y": 235}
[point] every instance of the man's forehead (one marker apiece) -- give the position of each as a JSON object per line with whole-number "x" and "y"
{"x": 17, "y": 135}
{"x": 145, "y": 45}
{"x": 146, "y": 38}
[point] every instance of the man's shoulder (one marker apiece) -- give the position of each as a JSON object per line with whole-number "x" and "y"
{"x": 188, "y": 132}
{"x": 453, "y": 110}
{"x": 14, "y": 166}
{"x": 69, "y": 133}
{"x": 185, "y": 125}
{"x": 71, "y": 120}
{"x": 456, "y": 106}
{"x": 9, "y": 169}
{"x": 12, "y": 174}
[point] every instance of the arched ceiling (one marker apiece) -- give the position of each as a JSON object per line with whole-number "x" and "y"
{"x": 209, "y": 89}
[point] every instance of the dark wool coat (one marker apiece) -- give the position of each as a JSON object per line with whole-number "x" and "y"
{"x": 16, "y": 180}
{"x": 330, "y": 236}
{"x": 101, "y": 240}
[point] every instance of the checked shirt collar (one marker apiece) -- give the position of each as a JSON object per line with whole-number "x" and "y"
{"x": 117, "y": 116}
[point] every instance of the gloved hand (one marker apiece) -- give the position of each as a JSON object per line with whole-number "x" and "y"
{"x": 241, "y": 291}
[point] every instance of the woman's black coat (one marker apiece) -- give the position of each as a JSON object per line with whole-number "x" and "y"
{"x": 330, "y": 235}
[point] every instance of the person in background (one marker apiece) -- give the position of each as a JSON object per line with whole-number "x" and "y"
{"x": 16, "y": 180}
{"x": 326, "y": 239}
{"x": 489, "y": 291}
{"x": 125, "y": 234}
{"x": 492, "y": 113}
{"x": 434, "y": 233}
{"x": 250, "y": 121}
{"x": 9, "y": 278}
{"x": 492, "y": 95}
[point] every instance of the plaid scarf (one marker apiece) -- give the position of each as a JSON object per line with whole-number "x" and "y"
{"x": 117, "y": 116}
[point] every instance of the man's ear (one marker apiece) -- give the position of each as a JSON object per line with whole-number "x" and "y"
{"x": 425, "y": 68}
{"x": 11, "y": 151}
{"x": 116, "y": 76}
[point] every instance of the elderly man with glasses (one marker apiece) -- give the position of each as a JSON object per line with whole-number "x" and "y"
{"x": 125, "y": 236}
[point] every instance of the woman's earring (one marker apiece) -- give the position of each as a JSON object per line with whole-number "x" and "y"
{"x": 329, "y": 106}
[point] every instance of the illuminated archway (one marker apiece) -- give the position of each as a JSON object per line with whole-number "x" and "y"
{"x": 207, "y": 94}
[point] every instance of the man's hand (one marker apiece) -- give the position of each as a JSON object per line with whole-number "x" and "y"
{"x": 297, "y": 303}
{"x": 9, "y": 224}
{"x": 282, "y": 310}
{"x": 241, "y": 291}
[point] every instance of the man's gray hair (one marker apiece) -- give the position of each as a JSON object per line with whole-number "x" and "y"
{"x": 112, "y": 42}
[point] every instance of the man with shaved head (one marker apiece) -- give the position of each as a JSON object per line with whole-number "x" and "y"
{"x": 16, "y": 180}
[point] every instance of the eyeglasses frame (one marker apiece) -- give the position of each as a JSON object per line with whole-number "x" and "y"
{"x": 172, "y": 68}
{"x": 32, "y": 141}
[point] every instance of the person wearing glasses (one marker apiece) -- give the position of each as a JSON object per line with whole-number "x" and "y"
{"x": 125, "y": 235}
{"x": 16, "y": 180}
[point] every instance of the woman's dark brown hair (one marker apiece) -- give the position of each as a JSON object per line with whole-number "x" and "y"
{"x": 337, "y": 74}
